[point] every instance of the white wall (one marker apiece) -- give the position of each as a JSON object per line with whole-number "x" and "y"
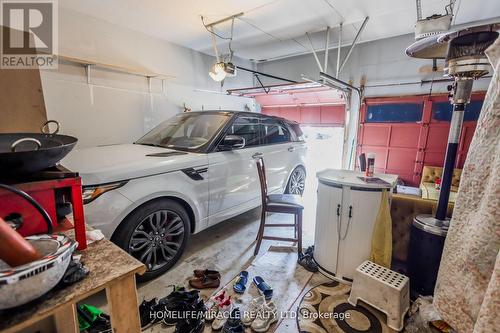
{"x": 118, "y": 107}
{"x": 378, "y": 63}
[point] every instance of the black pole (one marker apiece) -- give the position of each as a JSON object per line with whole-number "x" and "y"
{"x": 266, "y": 75}
{"x": 449, "y": 163}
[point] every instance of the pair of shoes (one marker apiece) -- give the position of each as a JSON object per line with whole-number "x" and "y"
{"x": 221, "y": 311}
{"x": 92, "y": 319}
{"x": 177, "y": 305}
{"x": 147, "y": 313}
{"x": 233, "y": 324}
{"x": 186, "y": 326}
{"x": 260, "y": 314}
{"x": 239, "y": 285}
{"x": 306, "y": 260}
{"x": 204, "y": 279}
{"x": 193, "y": 319}
{"x": 309, "y": 251}
{"x": 264, "y": 289}
{"x": 216, "y": 303}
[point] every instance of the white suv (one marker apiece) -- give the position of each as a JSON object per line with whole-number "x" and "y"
{"x": 187, "y": 174}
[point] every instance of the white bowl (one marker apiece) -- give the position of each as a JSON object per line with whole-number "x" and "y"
{"x": 21, "y": 284}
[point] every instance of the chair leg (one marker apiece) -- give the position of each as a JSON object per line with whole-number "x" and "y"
{"x": 295, "y": 227}
{"x": 260, "y": 233}
{"x": 299, "y": 227}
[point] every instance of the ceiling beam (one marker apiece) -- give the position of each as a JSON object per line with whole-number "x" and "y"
{"x": 338, "y": 51}
{"x": 232, "y": 17}
{"x": 353, "y": 44}
{"x": 327, "y": 43}
{"x": 314, "y": 53}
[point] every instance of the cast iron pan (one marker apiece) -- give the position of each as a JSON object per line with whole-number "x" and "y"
{"x": 24, "y": 153}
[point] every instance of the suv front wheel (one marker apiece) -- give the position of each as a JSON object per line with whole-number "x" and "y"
{"x": 156, "y": 234}
{"x": 297, "y": 181}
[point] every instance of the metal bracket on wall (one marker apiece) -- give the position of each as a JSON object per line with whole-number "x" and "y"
{"x": 87, "y": 72}
{"x": 149, "y": 84}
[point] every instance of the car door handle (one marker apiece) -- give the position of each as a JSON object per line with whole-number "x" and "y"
{"x": 257, "y": 155}
{"x": 291, "y": 149}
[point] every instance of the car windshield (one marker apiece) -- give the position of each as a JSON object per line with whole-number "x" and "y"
{"x": 185, "y": 131}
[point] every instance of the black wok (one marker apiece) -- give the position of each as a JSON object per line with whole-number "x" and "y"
{"x": 23, "y": 153}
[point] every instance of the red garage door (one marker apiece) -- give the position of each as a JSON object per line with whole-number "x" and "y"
{"x": 327, "y": 115}
{"x": 407, "y": 133}
{"x": 318, "y": 106}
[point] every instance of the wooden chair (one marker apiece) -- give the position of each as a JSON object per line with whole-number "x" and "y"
{"x": 278, "y": 203}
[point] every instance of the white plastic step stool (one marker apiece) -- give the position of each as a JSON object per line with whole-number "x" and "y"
{"x": 386, "y": 290}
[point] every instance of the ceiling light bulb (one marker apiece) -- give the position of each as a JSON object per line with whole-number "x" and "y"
{"x": 217, "y": 72}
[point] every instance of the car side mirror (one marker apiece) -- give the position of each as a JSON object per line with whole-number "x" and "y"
{"x": 231, "y": 142}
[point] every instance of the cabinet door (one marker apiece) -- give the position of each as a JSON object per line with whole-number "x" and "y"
{"x": 326, "y": 237}
{"x": 359, "y": 211}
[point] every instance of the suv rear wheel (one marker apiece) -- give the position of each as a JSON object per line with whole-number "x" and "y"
{"x": 156, "y": 234}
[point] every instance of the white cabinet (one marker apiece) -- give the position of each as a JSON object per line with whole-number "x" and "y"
{"x": 346, "y": 212}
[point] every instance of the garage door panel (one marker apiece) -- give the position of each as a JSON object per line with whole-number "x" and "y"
{"x": 468, "y": 134}
{"x": 437, "y": 138}
{"x": 291, "y": 113}
{"x": 329, "y": 96}
{"x": 375, "y": 135}
{"x": 276, "y": 99}
{"x": 332, "y": 114}
{"x": 405, "y": 135}
{"x": 434, "y": 158}
{"x": 307, "y": 97}
{"x": 271, "y": 111}
{"x": 310, "y": 115}
{"x": 402, "y": 160}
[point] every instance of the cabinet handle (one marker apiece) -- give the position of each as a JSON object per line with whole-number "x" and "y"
{"x": 350, "y": 211}
{"x": 338, "y": 210}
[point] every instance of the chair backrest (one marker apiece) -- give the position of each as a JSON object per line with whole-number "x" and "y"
{"x": 263, "y": 182}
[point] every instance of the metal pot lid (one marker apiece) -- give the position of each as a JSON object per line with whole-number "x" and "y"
{"x": 430, "y": 224}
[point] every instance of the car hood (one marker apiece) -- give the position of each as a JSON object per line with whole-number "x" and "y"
{"x": 105, "y": 164}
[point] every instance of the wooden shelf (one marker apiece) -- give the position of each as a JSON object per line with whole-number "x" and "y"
{"x": 116, "y": 68}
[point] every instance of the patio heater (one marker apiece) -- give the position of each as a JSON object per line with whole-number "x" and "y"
{"x": 465, "y": 61}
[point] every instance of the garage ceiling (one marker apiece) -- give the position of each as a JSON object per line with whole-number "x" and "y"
{"x": 272, "y": 29}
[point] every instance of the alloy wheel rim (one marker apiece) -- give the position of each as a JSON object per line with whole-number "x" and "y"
{"x": 157, "y": 239}
{"x": 297, "y": 181}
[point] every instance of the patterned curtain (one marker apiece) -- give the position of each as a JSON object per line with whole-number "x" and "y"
{"x": 467, "y": 293}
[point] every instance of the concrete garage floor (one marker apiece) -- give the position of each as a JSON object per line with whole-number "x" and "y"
{"x": 227, "y": 247}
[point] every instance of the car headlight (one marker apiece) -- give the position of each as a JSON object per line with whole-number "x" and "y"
{"x": 90, "y": 193}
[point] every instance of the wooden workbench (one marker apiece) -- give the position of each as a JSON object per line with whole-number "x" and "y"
{"x": 111, "y": 269}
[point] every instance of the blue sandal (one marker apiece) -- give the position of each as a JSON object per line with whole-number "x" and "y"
{"x": 263, "y": 287}
{"x": 240, "y": 284}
